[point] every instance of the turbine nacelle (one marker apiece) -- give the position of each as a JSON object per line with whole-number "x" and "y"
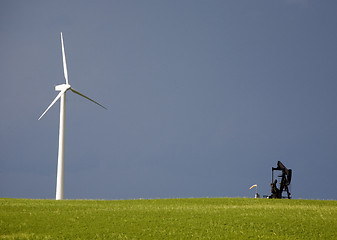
{"x": 62, "y": 87}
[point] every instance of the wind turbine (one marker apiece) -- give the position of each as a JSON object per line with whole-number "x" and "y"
{"x": 63, "y": 88}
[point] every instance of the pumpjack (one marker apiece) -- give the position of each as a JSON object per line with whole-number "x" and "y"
{"x": 285, "y": 177}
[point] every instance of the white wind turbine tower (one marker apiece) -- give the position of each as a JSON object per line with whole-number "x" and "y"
{"x": 63, "y": 88}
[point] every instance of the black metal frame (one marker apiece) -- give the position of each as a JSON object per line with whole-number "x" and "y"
{"x": 285, "y": 181}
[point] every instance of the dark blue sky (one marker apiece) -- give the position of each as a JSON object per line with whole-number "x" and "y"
{"x": 203, "y": 97}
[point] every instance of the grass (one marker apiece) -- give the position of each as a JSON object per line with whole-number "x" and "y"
{"x": 209, "y": 218}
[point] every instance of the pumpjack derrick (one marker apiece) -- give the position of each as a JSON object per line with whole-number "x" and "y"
{"x": 284, "y": 176}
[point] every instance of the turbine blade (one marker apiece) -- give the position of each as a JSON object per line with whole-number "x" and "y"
{"x": 53, "y": 102}
{"x": 64, "y": 61}
{"x": 87, "y": 98}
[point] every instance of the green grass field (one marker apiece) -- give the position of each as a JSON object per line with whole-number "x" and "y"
{"x": 207, "y": 218}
